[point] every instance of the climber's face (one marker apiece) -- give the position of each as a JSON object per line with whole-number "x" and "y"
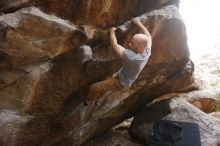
{"x": 134, "y": 44}
{"x": 138, "y": 43}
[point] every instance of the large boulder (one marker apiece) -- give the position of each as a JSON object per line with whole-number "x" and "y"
{"x": 30, "y": 39}
{"x": 48, "y": 63}
{"x": 168, "y": 70}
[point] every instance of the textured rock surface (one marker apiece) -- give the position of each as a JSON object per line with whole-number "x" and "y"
{"x": 159, "y": 77}
{"x": 113, "y": 138}
{"x": 17, "y": 129}
{"x": 47, "y": 66}
{"x": 30, "y": 40}
{"x": 175, "y": 110}
{"x": 90, "y": 12}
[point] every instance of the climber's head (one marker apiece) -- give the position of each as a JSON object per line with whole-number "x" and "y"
{"x": 138, "y": 43}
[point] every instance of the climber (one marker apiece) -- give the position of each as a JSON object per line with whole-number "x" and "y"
{"x": 134, "y": 59}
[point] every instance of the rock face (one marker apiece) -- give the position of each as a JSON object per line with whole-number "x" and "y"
{"x": 91, "y": 12}
{"x": 52, "y": 51}
{"x": 113, "y": 138}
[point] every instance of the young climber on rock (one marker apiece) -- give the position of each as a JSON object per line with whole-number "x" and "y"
{"x": 133, "y": 58}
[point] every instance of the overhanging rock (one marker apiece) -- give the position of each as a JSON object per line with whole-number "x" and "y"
{"x": 45, "y": 73}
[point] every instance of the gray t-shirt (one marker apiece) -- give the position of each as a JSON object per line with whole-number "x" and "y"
{"x": 133, "y": 63}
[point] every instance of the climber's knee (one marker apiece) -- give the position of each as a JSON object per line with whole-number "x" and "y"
{"x": 96, "y": 88}
{"x": 94, "y": 92}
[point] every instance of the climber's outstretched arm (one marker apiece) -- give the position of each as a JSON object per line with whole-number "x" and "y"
{"x": 141, "y": 26}
{"x": 118, "y": 48}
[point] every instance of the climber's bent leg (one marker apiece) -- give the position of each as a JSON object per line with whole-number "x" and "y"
{"x": 97, "y": 90}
